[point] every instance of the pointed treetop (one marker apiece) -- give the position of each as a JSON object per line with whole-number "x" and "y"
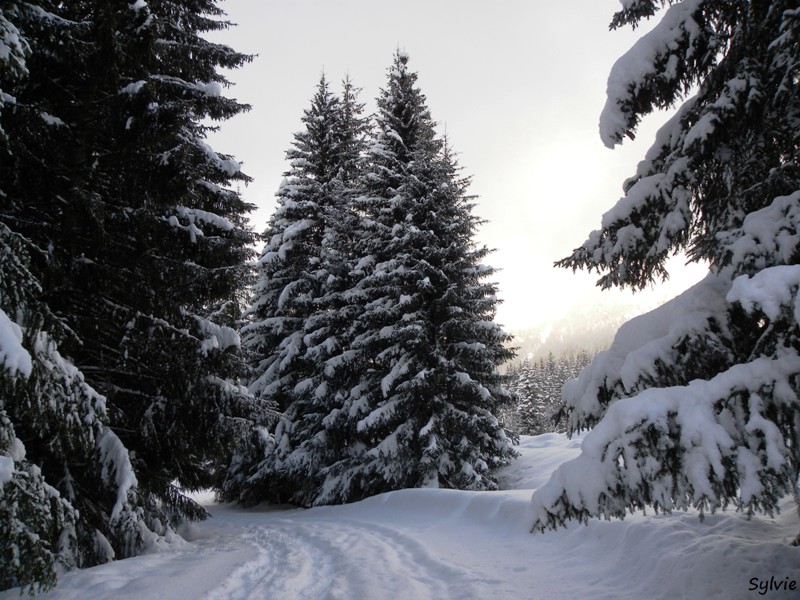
{"x": 403, "y": 113}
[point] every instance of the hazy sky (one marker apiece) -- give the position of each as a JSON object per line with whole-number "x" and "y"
{"x": 519, "y": 86}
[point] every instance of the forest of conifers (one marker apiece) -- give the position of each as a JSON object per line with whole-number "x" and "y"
{"x": 152, "y": 343}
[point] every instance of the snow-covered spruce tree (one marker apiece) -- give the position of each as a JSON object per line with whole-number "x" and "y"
{"x": 297, "y": 305}
{"x": 696, "y": 404}
{"x": 32, "y": 514}
{"x": 90, "y": 505}
{"x": 310, "y": 436}
{"x": 137, "y": 244}
{"x": 35, "y": 523}
{"x": 29, "y": 511}
{"x": 69, "y": 488}
{"x": 411, "y": 395}
{"x": 289, "y": 276}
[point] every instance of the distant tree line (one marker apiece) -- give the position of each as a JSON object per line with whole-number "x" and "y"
{"x": 536, "y": 384}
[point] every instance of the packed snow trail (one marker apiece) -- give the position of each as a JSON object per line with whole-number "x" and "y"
{"x": 296, "y": 557}
{"x": 445, "y": 544}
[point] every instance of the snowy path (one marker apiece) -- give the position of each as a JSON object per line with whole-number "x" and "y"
{"x": 444, "y": 544}
{"x": 335, "y": 558}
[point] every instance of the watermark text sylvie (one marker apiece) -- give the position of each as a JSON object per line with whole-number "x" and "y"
{"x": 773, "y": 584}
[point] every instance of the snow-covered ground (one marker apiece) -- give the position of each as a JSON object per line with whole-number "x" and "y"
{"x": 440, "y": 544}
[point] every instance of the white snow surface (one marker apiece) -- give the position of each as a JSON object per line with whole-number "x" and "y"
{"x": 442, "y": 544}
{"x": 13, "y": 356}
{"x": 6, "y": 469}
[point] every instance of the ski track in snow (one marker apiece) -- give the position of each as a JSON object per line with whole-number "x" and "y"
{"x": 282, "y": 566}
{"x": 336, "y": 559}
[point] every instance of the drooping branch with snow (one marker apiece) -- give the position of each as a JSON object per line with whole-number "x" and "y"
{"x": 696, "y": 403}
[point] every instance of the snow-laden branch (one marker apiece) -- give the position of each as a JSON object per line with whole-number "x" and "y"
{"x": 649, "y": 72}
{"x": 673, "y": 448}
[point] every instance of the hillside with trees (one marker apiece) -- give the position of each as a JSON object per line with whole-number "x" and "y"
{"x": 536, "y": 384}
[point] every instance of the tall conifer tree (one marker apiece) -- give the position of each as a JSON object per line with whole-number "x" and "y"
{"x": 135, "y": 260}
{"x": 68, "y": 494}
{"x": 302, "y": 271}
{"x": 423, "y": 406}
{"x": 288, "y": 279}
{"x": 407, "y": 383}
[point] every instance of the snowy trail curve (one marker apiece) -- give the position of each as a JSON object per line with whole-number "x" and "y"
{"x": 336, "y": 559}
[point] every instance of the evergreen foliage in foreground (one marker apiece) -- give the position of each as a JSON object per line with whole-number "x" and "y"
{"x": 65, "y": 425}
{"x": 696, "y": 404}
{"x": 399, "y": 345}
{"x": 122, "y": 270}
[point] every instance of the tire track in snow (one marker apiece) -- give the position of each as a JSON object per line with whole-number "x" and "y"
{"x": 282, "y": 566}
{"x": 409, "y": 570}
{"x": 334, "y": 559}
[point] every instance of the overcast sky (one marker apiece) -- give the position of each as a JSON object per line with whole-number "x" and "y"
{"x": 519, "y": 86}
